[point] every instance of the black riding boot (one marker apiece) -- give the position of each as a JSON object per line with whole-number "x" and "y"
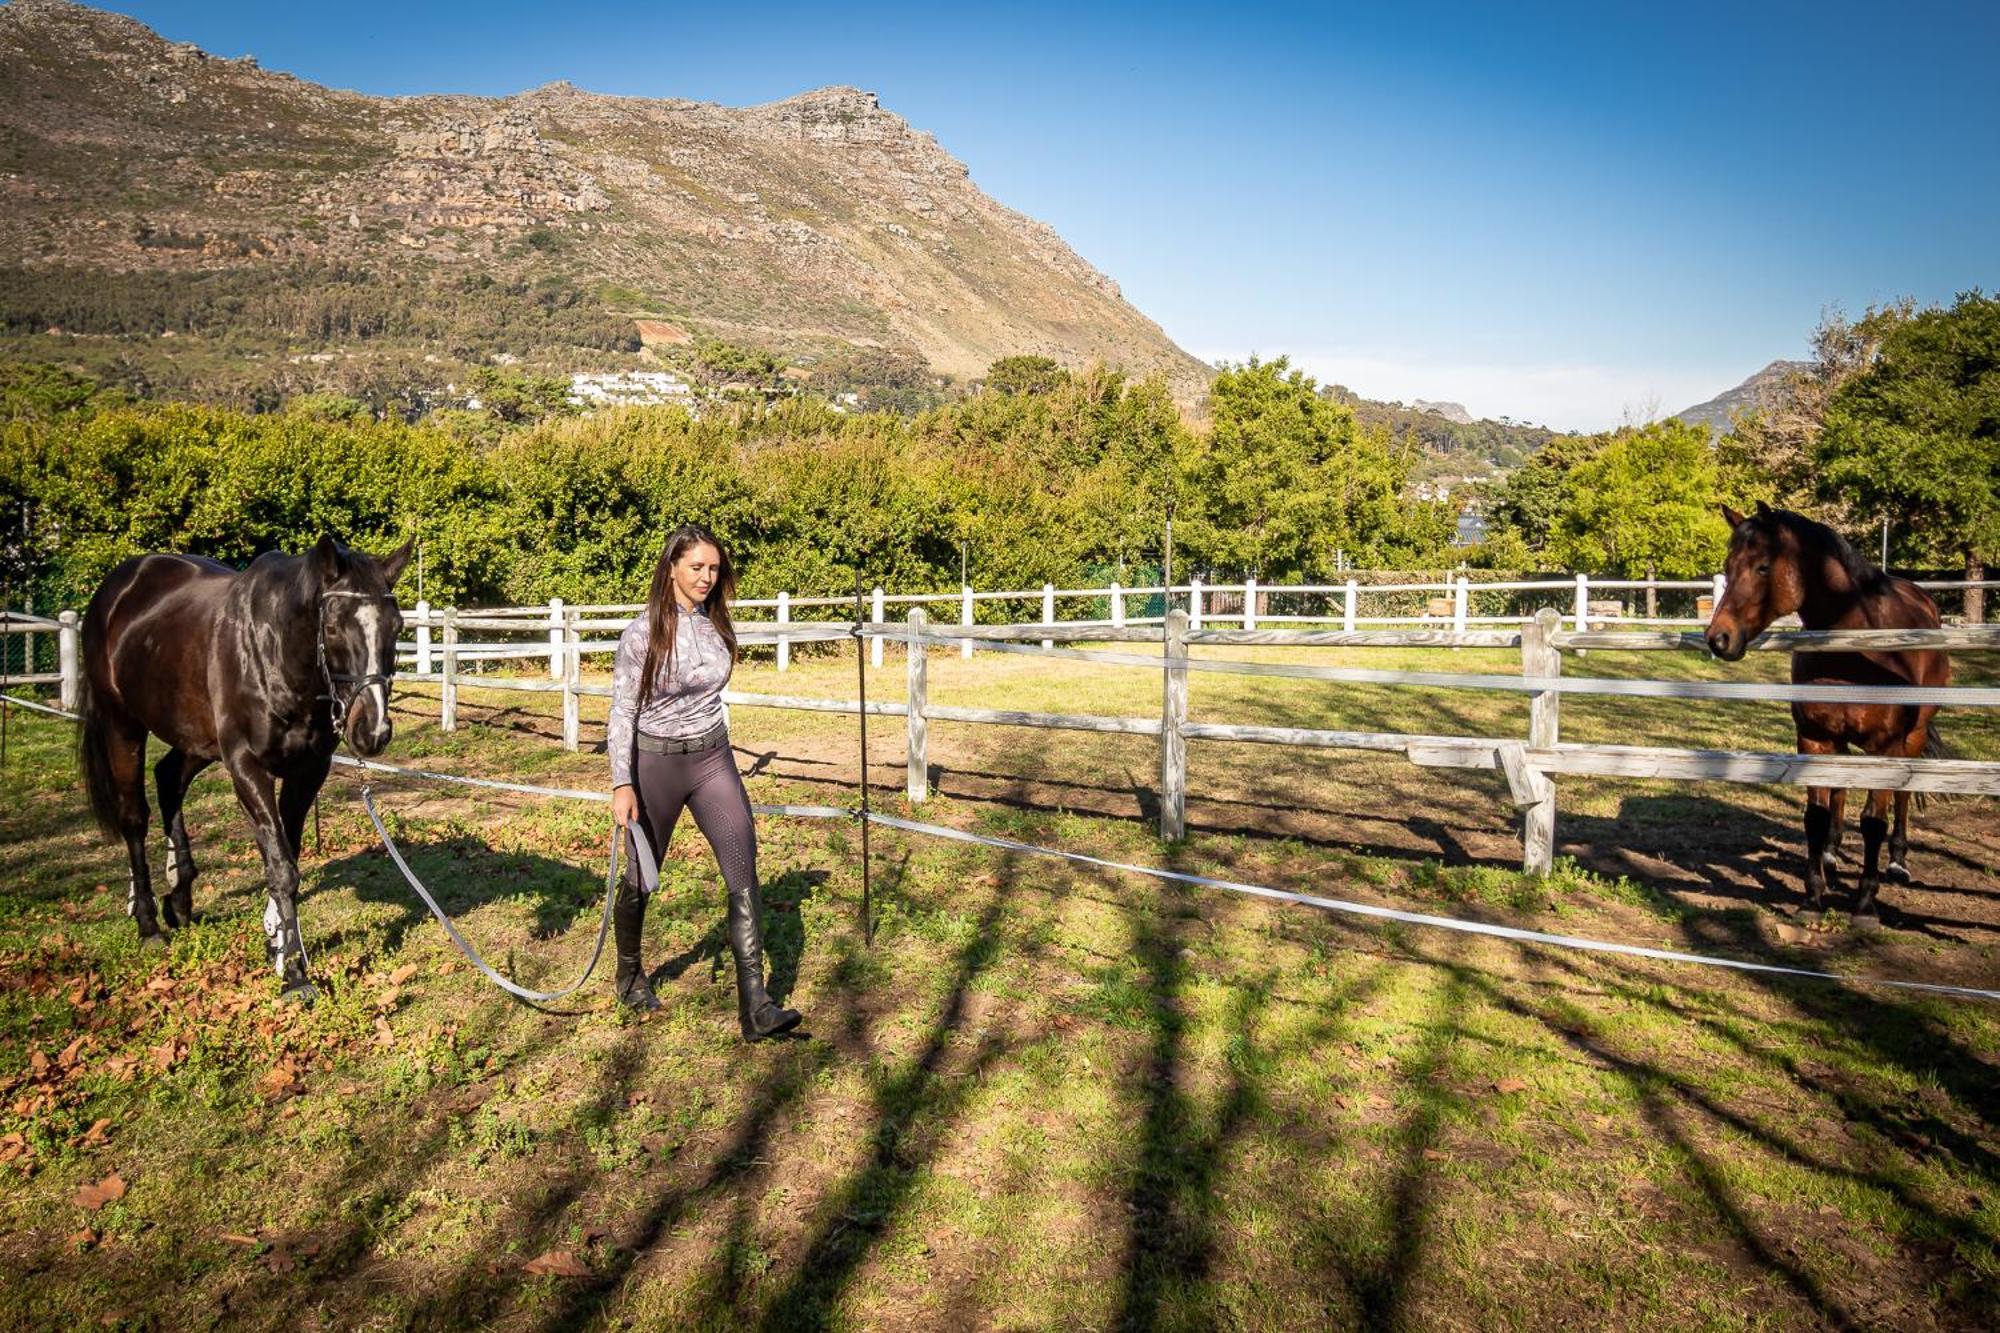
{"x": 758, "y": 1013}
{"x": 627, "y": 915}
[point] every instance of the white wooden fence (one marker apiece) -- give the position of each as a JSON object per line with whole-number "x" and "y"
{"x": 1531, "y": 763}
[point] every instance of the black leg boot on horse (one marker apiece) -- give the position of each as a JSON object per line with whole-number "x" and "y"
{"x": 628, "y": 915}
{"x": 759, "y": 1014}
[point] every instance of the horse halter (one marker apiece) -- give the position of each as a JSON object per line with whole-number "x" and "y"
{"x": 356, "y": 684}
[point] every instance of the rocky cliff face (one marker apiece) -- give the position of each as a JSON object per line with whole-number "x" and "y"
{"x": 821, "y": 220}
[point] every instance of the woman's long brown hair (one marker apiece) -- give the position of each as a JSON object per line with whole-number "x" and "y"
{"x": 666, "y": 612}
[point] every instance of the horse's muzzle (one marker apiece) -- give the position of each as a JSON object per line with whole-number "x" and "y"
{"x": 368, "y": 726}
{"x": 1728, "y": 643}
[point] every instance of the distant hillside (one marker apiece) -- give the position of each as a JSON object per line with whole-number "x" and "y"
{"x": 308, "y": 237}
{"x": 1720, "y": 412}
{"x": 1453, "y": 444}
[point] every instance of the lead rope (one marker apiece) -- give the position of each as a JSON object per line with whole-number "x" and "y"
{"x": 642, "y": 854}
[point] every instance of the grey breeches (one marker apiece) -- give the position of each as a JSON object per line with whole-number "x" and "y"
{"x": 708, "y": 784}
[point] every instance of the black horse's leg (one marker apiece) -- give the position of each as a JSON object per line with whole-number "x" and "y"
{"x": 1838, "y": 816}
{"x": 295, "y": 801}
{"x": 283, "y": 944}
{"x": 1874, "y": 829}
{"x": 171, "y": 777}
{"x": 125, "y": 756}
{"x": 1898, "y": 870}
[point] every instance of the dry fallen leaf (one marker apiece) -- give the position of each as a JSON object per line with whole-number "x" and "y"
{"x": 93, "y": 1197}
{"x": 1507, "y": 1085}
{"x": 1433, "y": 1155}
{"x": 556, "y": 1263}
{"x": 235, "y": 1239}
{"x": 402, "y": 974}
{"x": 94, "y": 1136}
{"x": 83, "y": 1239}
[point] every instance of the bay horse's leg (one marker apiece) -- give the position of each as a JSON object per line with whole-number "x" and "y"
{"x": 295, "y": 801}
{"x": 171, "y": 777}
{"x": 283, "y": 944}
{"x": 125, "y": 757}
{"x": 1874, "y": 829}
{"x": 1838, "y": 814}
{"x": 1898, "y": 871}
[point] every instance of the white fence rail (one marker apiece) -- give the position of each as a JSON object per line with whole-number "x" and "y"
{"x": 1531, "y": 763}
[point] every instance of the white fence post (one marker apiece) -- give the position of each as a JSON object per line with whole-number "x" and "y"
{"x": 448, "y": 694}
{"x": 1250, "y": 602}
{"x": 875, "y": 645}
{"x": 917, "y": 777}
{"x": 68, "y": 659}
{"x": 784, "y": 644}
{"x": 1173, "y": 743}
{"x": 1582, "y": 603}
{"x": 423, "y": 638}
{"x": 572, "y": 677}
{"x": 1347, "y": 613}
{"x": 1539, "y": 658}
{"x": 1048, "y": 611}
{"x": 555, "y": 638}
{"x": 1720, "y": 582}
{"x": 965, "y": 618}
{"x": 1194, "y": 603}
{"x": 1117, "y": 606}
{"x": 1461, "y": 606}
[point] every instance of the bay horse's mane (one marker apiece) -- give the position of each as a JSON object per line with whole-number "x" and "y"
{"x": 1867, "y": 578}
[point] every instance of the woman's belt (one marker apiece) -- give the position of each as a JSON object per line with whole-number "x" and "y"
{"x": 714, "y": 738}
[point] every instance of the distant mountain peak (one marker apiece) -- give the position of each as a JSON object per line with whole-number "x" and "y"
{"x": 1719, "y": 413}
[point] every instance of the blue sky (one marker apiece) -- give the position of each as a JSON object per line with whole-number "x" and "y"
{"x": 1573, "y": 214}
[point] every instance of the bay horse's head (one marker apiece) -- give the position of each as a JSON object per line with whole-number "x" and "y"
{"x": 357, "y": 627}
{"x": 1762, "y": 580}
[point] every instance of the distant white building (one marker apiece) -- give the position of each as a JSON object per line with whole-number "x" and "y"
{"x": 630, "y": 388}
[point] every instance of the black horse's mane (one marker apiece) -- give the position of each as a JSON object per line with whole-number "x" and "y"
{"x": 1866, "y": 576}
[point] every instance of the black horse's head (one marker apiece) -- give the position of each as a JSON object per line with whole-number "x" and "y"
{"x": 358, "y": 625}
{"x": 1762, "y": 580}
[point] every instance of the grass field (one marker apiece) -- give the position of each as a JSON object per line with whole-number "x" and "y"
{"x": 1047, "y": 1096}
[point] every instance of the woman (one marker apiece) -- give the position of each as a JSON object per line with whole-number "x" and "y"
{"x": 669, "y": 746}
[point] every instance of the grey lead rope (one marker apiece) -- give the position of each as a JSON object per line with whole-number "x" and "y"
{"x": 649, "y": 875}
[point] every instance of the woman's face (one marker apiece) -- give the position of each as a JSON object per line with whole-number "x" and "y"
{"x": 695, "y": 573}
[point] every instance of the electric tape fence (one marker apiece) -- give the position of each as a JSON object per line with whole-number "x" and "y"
{"x": 867, "y": 818}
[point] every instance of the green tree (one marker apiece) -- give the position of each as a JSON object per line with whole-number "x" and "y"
{"x": 1915, "y": 437}
{"x": 1025, "y": 375}
{"x": 1645, "y": 504}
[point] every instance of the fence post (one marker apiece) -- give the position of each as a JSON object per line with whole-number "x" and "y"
{"x": 784, "y": 644}
{"x": 1347, "y": 613}
{"x": 1173, "y": 744}
{"x": 875, "y": 645}
{"x": 572, "y": 677}
{"x": 448, "y": 695}
{"x": 1461, "y": 606}
{"x": 1250, "y": 602}
{"x": 1117, "y": 606}
{"x": 1048, "y": 611}
{"x": 917, "y": 779}
{"x": 423, "y": 638}
{"x": 1716, "y": 604}
{"x": 1582, "y": 603}
{"x": 28, "y": 639}
{"x": 1194, "y": 603}
{"x": 68, "y": 660}
{"x": 555, "y": 638}
{"x": 965, "y": 618}
{"x": 1539, "y": 657}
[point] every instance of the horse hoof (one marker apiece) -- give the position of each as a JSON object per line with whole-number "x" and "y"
{"x": 302, "y": 995}
{"x": 1897, "y": 873}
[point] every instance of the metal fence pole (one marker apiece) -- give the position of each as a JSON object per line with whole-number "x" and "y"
{"x": 917, "y": 781}
{"x": 448, "y": 693}
{"x": 69, "y": 659}
{"x": 1173, "y": 742}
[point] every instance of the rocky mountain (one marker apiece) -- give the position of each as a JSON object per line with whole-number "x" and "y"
{"x": 148, "y": 189}
{"x": 1720, "y": 412}
{"x": 1452, "y": 412}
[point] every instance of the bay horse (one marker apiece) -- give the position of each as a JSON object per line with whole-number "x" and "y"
{"x": 1780, "y": 563}
{"x": 266, "y": 669}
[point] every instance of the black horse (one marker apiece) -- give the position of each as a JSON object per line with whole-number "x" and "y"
{"x": 265, "y": 669}
{"x": 1781, "y": 563}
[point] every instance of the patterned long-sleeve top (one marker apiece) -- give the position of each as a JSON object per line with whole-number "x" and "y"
{"x": 684, "y": 703}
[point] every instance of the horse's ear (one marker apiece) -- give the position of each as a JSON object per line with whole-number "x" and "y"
{"x": 393, "y": 563}
{"x": 1763, "y": 510}
{"x": 1730, "y": 516}
{"x": 327, "y": 561}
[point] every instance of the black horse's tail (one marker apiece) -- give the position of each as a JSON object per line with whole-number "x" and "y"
{"x": 1935, "y": 747}
{"x": 93, "y": 758}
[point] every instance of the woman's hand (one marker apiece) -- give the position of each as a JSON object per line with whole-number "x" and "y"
{"x": 624, "y": 805}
